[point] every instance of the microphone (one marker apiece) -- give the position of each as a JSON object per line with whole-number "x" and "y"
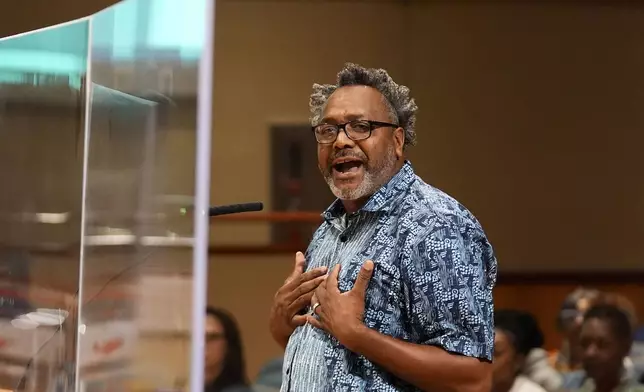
{"x": 235, "y": 209}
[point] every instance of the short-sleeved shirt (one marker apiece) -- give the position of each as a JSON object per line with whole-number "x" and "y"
{"x": 432, "y": 284}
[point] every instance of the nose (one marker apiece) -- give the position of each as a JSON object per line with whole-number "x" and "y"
{"x": 343, "y": 141}
{"x": 590, "y": 351}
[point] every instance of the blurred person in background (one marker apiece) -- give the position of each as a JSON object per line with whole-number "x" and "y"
{"x": 225, "y": 367}
{"x": 568, "y": 357}
{"x": 539, "y": 369}
{"x": 605, "y": 339}
{"x": 407, "y": 303}
{"x": 637, "y": 353}
{"x": 517, "y": 333}
{"x": 628, "y": 308}
{"x": 269, "y": 378}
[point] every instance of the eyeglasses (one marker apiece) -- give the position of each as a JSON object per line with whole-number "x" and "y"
{"x": 355, "y": 130}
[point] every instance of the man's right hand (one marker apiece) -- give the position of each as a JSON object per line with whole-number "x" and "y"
{"x": 292, "y": 297}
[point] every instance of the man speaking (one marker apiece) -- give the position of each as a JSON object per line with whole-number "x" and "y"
{"x": 394, "y": 292}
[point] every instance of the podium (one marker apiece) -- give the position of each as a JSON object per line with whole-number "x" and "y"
{"x": 104, "y": 168}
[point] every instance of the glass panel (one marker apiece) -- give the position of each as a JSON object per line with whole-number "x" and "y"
{"x": 137, "y": 272}
{"x": 42, "y": 75}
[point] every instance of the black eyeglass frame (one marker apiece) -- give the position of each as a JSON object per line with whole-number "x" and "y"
{"x": 338, "y": 127}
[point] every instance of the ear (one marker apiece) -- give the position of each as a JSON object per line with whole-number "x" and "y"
{"x": 399, "y": 141}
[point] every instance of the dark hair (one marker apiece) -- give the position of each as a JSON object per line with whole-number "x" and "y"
{"x": 233, "y": 372}
{"x": 618, "y": 319}
{"x": 401, "y": 105}
{"x": 522, "y": 327}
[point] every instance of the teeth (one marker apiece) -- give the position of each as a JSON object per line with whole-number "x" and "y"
{"x": 347, "y": 166}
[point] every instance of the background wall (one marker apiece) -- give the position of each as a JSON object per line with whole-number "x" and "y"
{"x": 529, "y": 114}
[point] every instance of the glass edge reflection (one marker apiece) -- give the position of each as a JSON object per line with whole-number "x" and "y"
{"x": 81, "y": 267}
{"x": 202, "y": 200}
{"x": 42, "y": 29}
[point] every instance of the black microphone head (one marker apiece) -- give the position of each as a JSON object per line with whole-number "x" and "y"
{"x": 235, "y": 208}
{"x": 257, "y": 206}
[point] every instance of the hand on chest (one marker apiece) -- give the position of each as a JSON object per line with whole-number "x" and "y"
{"x": 350, "y": 244}
{"x": 384, "y": 281}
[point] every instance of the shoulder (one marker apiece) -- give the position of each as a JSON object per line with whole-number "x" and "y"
{"x": 264, "y": 388}
{"x": 430, "y": 219}
{"x": 574, "y": 380}
{"x": 435, "y": 211}
{"x": 538, "y": 369}
{"x": 524, "y": 384}
{"x": 238, "y": 388}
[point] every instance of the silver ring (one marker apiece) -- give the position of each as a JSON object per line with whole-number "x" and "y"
{"x": 315, "y": 306}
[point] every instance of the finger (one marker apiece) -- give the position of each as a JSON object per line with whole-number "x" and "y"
{"x": 364, "y": 276}
{"x": 312, "y": 274}
{"x": 298, "y": 268}
{"x": 305, "y": 288}
{"x": 300, "y": 303}
{"x": 293, "y": 285}
{"x": 332, "y": 280}
{"x": 320, "y": 294}
{"x": 299, "y": 320}
{"x": 314, "y": 322}
{"x": 314, "y": 299}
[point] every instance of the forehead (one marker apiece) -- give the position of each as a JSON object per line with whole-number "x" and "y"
{"x": 596, "y": 328}
{"x": 354, "y": 102}
{"x": 213, "y": 325}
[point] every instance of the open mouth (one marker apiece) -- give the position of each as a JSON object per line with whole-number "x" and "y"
{"x": 347, "y": 167}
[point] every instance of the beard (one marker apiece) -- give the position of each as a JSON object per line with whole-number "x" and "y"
{"x": 376, "y": 173}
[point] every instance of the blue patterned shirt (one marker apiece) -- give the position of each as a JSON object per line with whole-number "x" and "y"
{"x": 432, "y": 284}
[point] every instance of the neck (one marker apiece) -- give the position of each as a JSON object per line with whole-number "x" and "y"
{"x": 608, "y": 383}
{"x": 213, "y": 374}
{"x": 351, "y": 206}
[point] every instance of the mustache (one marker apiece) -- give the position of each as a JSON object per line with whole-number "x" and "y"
{"x": 348, "y": 154}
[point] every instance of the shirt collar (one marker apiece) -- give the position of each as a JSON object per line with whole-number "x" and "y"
{"x": 383, "y": 199}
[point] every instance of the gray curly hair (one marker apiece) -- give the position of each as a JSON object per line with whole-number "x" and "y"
{"x": 402, "y": 108}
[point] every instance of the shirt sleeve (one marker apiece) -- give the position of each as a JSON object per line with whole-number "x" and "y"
{"x": 449, "y": 276}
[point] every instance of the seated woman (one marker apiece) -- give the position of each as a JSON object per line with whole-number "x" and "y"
{"x": 517, "y": 333}
{"x": 605, "y": 339}
{"x": 225, "y": 367}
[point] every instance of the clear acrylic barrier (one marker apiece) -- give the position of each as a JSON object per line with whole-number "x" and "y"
{"x": 42, "y": 104}
{"x": 101, "y": 122}
{"x": 137, "y": 274}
